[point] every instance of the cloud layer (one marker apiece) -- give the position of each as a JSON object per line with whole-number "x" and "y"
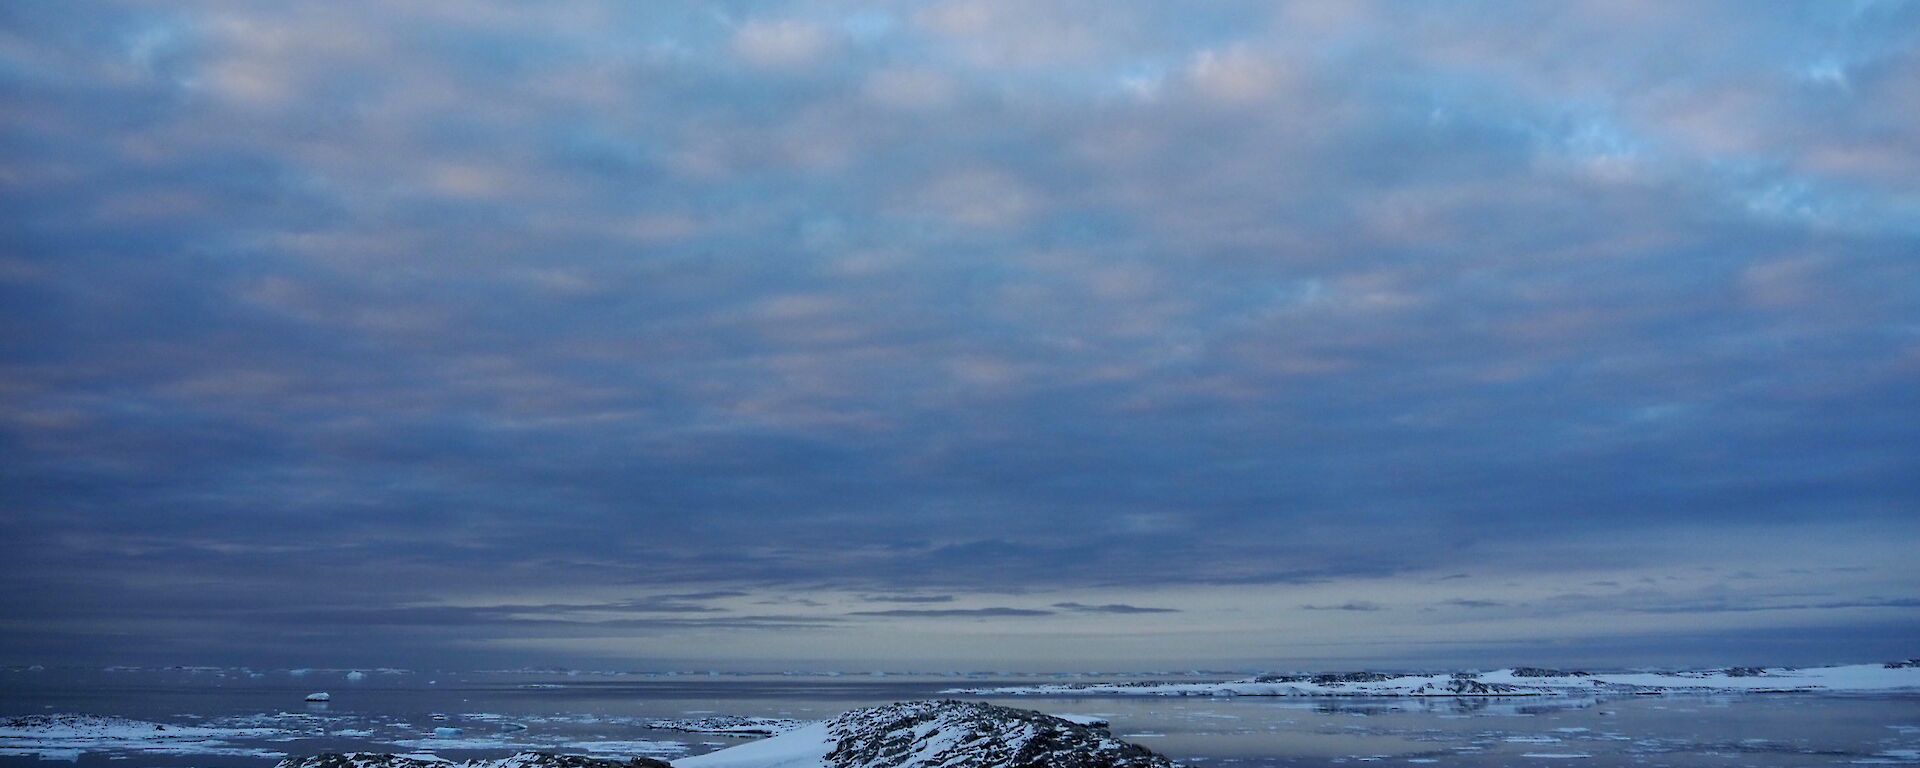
{"x": 531, "y": 323}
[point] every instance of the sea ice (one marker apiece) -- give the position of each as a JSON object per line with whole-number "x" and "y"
{"x": 630, "y": 748}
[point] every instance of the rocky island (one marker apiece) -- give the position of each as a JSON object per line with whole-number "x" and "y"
{"x": 920, "y": 734}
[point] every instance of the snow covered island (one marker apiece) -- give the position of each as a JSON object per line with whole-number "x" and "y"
{"x": 920, "y": 734}
{"x": 727, "y": 725}
{"x": 522, "y": 760}
{"x": 67, "y": 737}
{"x": 1518, "y": 681}
{"x": 947, "y": 734}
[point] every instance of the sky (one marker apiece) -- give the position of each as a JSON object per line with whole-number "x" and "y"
{"x": 959, "y": 334}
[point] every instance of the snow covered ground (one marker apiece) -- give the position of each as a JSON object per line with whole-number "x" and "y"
{"x": 1857, "y": 678}
{"x": 804, "y": 747}
{"x": 521, "y": 760}
{"x": 66, "y": 737}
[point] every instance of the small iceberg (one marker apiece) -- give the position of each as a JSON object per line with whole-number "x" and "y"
{"x": 320, "y": 696}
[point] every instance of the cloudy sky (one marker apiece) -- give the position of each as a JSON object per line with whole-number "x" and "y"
{"x": 971, "y": 334}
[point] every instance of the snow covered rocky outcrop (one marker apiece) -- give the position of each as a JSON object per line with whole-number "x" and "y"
{"x": 66, "y": 737}
{"x": 1518, "y": 681}
{"x": 727, "y": 725}
{"x": 936, "y": 734}
{"x": 522, "y": 760}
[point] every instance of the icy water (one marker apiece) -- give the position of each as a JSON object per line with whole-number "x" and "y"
{"x": 498, "y": 714}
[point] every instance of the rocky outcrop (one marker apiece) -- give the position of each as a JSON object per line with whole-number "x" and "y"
{"x": 727, "y": 725}
{"x": 966, "y": 734}
{"x": 1350, "y": 677}
{"x": 1544, "y": 672}
{"x": 101, "y": 727}
{"x": 1468, "y": 686}
{"x": 920, "y": 734}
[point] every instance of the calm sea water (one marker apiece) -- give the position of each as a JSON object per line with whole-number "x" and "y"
{"x": 498, "y": 714}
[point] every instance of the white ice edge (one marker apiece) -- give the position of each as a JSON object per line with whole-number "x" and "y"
{"x": 803, "y": 747}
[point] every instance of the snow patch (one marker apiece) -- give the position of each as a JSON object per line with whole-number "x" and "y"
{"x": 803, "y": 747}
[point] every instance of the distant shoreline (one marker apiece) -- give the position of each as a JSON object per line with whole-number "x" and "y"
{"x": 1512, "y": 682}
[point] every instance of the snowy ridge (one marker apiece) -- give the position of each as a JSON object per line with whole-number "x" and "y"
{"x": 1519, "y": 681}
{"x": 936, "y": 734}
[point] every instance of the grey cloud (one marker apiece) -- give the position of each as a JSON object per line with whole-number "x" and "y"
{"x": 1112, "y": 608}
{"x": 955, "y": 612}
{"x": 1352, "y": 605}
{"x": 715, "y": 594}
{"x": 305, "y": 308}
{"x": 1475, "y": 603}
{"x": 1725, "y": 606}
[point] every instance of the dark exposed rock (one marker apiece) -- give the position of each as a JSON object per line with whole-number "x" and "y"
{"x": 76, "y": 723}
{"x": 1745, "y": 671}
{"x": 1908, "y": 664}
{"x": 522, "y": 760}
{"x": 1543, "y": 672}
{"x": 1471, "y": 687}
{"x": 357, "y": 760}
{"x": 966, "y": 734}
{"x": 116, "y": 729}
{"x": 1351, "y": 677}
{"x": 728, "y": 725}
